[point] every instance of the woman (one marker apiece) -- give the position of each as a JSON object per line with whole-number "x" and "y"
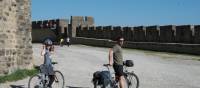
{"x": 47, "y": 50}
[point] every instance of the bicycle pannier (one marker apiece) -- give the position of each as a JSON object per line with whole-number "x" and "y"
{"x": 129, "y": 63}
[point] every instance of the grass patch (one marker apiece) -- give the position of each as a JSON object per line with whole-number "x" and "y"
{"x": 17, "y": 75}
{"x": 198, "y": 59}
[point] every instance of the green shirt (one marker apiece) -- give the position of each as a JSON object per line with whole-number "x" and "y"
{"x": 117, "y": 55}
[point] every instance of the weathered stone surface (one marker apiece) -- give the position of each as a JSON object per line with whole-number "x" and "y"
{"x": 2, "y": 52}
{"x": 128, "y": 33}
{"x": 197, "y": 34}
{"x": 15, "y": 35}
{"x": 99, "y": 32}
{"x": 152, "y": 34}
{"x": 139, "y": 34}
{"x": 183, "y": 34}
{"x": 167, "y": 33}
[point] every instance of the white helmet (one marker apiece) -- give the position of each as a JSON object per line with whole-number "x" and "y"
{"x": 48, "y": 42}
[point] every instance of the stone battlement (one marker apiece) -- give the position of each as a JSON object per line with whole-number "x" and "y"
{"x": 189, "y": 34}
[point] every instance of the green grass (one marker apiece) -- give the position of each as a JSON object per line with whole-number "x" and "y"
{"x": 18, "y": 75}
{"x": 198, "y": 59}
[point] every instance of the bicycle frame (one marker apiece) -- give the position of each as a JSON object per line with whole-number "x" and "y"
{"x": 114, "y": 82}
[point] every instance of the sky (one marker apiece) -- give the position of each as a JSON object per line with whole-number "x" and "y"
{"x": 121, "y": 12}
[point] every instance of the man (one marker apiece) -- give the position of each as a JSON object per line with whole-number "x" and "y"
{"x": 116, "y": 59}
{"x": 68, "y": 41}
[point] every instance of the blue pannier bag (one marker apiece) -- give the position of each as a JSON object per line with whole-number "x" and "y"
{"x": 105, "y": 78}
{"x": 102, "y": 78}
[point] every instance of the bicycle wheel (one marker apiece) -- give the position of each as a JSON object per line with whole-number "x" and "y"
{"x": 35, "y": 82}
{"x": 96, "y": 85}
{"x": 132, "y": 80}
{"x": 59, "y": 81}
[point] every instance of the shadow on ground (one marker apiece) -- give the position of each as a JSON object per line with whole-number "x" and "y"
{"x": 17, "y": 86}
{"x": 22, "y": 86}
{"x": 75, "y": 87}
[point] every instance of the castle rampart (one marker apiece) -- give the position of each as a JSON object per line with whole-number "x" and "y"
{"x": 188, "y": 34}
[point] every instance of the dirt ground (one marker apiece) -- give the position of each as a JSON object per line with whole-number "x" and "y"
{"x": 154, "y": 69}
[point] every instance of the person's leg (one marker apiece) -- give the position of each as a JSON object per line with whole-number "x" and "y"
{"x": 119, "y": 75}
{"x": 121, "y": 81}
{"x": 51, "y": 80}
{"x": 67, "y": 44}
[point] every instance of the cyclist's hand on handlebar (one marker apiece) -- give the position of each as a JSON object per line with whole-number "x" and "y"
{"x": 107, "y": 65}
{"x": 110, "y": 64}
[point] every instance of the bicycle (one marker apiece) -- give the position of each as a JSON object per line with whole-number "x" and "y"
{"x": 104, "y": 79}
{"x": 41, "y": 80}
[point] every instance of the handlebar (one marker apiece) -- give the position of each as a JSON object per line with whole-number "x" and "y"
{"x": 106, "y": 65}
{"x": 54, "y": 63}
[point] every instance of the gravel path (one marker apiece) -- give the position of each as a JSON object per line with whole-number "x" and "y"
{"x": 154, "y": 69}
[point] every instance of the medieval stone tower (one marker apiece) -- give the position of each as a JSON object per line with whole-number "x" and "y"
{"x": 15, "y": 35}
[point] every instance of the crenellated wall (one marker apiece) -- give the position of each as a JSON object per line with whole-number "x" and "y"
{"x": 60, "y": 28}
{"x": 50, "y": 29}
{"x": 76, "y": 21}
{"x": 188, "y": 34}
{"x": 15, "y": 35}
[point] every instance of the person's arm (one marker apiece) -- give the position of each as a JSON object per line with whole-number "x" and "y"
{"x": 43, "y": 50}
{"x": 110, "y": 56}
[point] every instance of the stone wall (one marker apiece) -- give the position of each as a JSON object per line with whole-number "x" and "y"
{"x": 62, "y": 27}
{"x": 37, "y": 37}
{"x": 188, "y": 34}
{"x": 168, "y": 38}
{"x": 76, "y": 21}
{"x": 52, "y": 29}
{"x": 155, "y": 46}
{"x": 15, "y": 35}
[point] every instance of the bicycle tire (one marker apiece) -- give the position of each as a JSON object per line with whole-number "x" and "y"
{"x": 132, "y": 80}
{"x": 59, "y": 81}
{"x": 101, "y": 86}
{"x": 96, "y": 85}
{"x": 38, "y": 82}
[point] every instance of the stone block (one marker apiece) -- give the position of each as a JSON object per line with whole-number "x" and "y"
{"x": 117, "y": 31}
{"x": 77, "y": 20}
{"x": 197, "y": 34}
{"x": 28, "y": 51}
{"x": 39, "y": 25}
{"x": 139, "y": 34}
{"x": 3, "y": 36}
{"x": 2, "y": 52}
{"x": 52, "y": 24}
{"x": 85, "y": 31}
{"x": 45, "y": 24}
{"x": 183, "y": 34}
{"x": 92, "y": 32}
{"x": 107, "y": 32}
{"x": 99, "y": 32}
{"x": 128, "y": 33}
{"x": 34, "y": 24}
{"x": 167, "y": 33}
{"x": 78, "y": 31}
{"x": 152, "y": 34}
{"x": 89, "y": 20}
